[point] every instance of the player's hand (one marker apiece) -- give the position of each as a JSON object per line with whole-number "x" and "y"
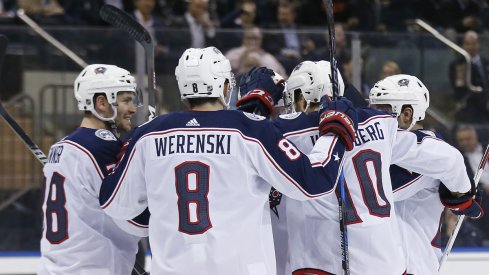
{"x": 260, "y": 89}
{"x": 465, "y": 204}
{"x": 339, "y": 117}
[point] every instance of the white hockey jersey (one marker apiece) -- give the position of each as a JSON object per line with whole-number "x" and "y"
{"x": 419, "y": 211}
{"x": 374, "y": 240}
{"x": 206, "y": 178}
{"x": 78, "y": 237}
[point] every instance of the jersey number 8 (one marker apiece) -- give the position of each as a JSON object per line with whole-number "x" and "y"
{"x": 56, "y": 213}
{"x": 192, "y": 185}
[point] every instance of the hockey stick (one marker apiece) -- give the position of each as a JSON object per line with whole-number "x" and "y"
{"x": 31, "y": 23}
{"x": 120, "y": 19}
{"x": 460, "y": 219}
{"x": 345, "y": 262}
{"x": 35, "y": 150}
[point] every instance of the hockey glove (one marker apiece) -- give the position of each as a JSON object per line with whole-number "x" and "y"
{"x": 260, "y": 89}
{"x": 339, "y": 117}
{"x": 467, "y": 204}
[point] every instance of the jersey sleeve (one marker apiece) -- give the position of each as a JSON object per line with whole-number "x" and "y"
{"x": 137, "y": 226}
{"x": 294, "y": 173}
{"x": 123, "y": 193}
{"x": 432, "y": 157}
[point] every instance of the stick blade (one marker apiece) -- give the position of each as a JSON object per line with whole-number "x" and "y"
{"x": 122, "y": 20}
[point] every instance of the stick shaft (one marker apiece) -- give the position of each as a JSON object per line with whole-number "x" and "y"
{"x": 53, "y": 41}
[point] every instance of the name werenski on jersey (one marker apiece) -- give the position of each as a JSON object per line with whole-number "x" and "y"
{"x": 55, "y": 154}
{"x": 193, "y": 144}
{"x": 370, "y": 132}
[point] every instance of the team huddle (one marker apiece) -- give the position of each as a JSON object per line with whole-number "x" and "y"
{"x": 254, "y": 190}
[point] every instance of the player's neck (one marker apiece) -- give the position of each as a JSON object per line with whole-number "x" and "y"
{"x": 93, "y": 123}
{"x": 208, "y": 106}
{"x": 417, "y": 126}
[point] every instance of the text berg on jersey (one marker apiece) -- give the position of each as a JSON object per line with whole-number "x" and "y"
{"x": 369, "y": 132}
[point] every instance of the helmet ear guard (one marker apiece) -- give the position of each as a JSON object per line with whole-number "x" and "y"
{"x": 203, "y": 73}
{"x": 102, "y": 79}
{"x": 401, "y": 90}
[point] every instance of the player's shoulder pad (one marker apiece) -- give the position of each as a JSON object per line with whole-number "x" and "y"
{"x": 105, "y": 134}
{"x": 254, "y": 117}
{"x": 422, "y": 134}
{"x": 290, "y": 116}
{"x": 366, "y": 113}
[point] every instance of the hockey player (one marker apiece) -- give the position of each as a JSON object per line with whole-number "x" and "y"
{"x": 313, "y": 225}
{"x": 417, "y": 200}
{"x": 203, "y": 173}
{"x": 78, "y": 237}
{"x": 253, "y": 85}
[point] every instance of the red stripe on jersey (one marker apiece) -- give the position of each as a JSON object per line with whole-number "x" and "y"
{"x": 137, "y": 224}
{"x": 87, "y": 153}
{"x": 119, "y": 183}
{"x": 328, "y": 157}
{"x": 374, "y": 117}
{"x": 310, "y": 271}
{"x": 408, "y": 184}
{"x": 295, "y": 133}
{"x": 272, "y": 161}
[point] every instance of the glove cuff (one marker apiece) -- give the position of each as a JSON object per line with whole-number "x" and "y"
{"x": 458, "y": 207}
{"x": 261, "y": 95}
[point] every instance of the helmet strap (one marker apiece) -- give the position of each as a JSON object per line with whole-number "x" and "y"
{"x": 110, "y": 121}
{"x": 308, "y": 104}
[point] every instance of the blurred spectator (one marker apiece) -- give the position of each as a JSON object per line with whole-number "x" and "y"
{"x": 394, "y": 14}
{"x": 472, "y": 107}
{"x": 251, "y": 53}
{"x": 288, "y": 42}
{"x": 144, "y": 13}
{"x": 468, "y": 143}
{"x": 461, "y": 15}
{"x": 363, "y": 90}
{"x": 389, "y": 68}
{"x": 242, "y": 18}
{"x": 85, "y": 12}
{"x": 468, "y": 236}
{"x": 239, "y": 20}
{"x": 48, "y": 12}
{"x": 472, "y": 150}
{"x": 7, "y": 9}
{"x": 285, "y": 45}
{"x": 201, "y": 27}
{"x": 342, "y": 52}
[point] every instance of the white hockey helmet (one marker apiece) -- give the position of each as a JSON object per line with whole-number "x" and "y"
{"x": 106, "y": 79}
{"x": 399, "y": 90}
{"x": 313, "y": 79}
{"x": 202, "y": 73}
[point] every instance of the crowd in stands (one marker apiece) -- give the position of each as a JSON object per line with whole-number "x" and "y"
{"x": 272, "y": 33}
{"x": 357, "y": 15}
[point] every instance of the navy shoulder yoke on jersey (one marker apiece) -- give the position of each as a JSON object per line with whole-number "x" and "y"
{"x": 252, "y": 129}
{"x": 402, "y": 178}
{"x": 99, "y": 144}
{"x": 295, "y": 122}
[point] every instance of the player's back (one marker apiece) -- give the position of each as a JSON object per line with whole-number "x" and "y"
{"x": 419, "y": 212}
{"x": 374, "y": 240}
{"x": 78, "y": 237}
{"x": 206, "y": 177}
